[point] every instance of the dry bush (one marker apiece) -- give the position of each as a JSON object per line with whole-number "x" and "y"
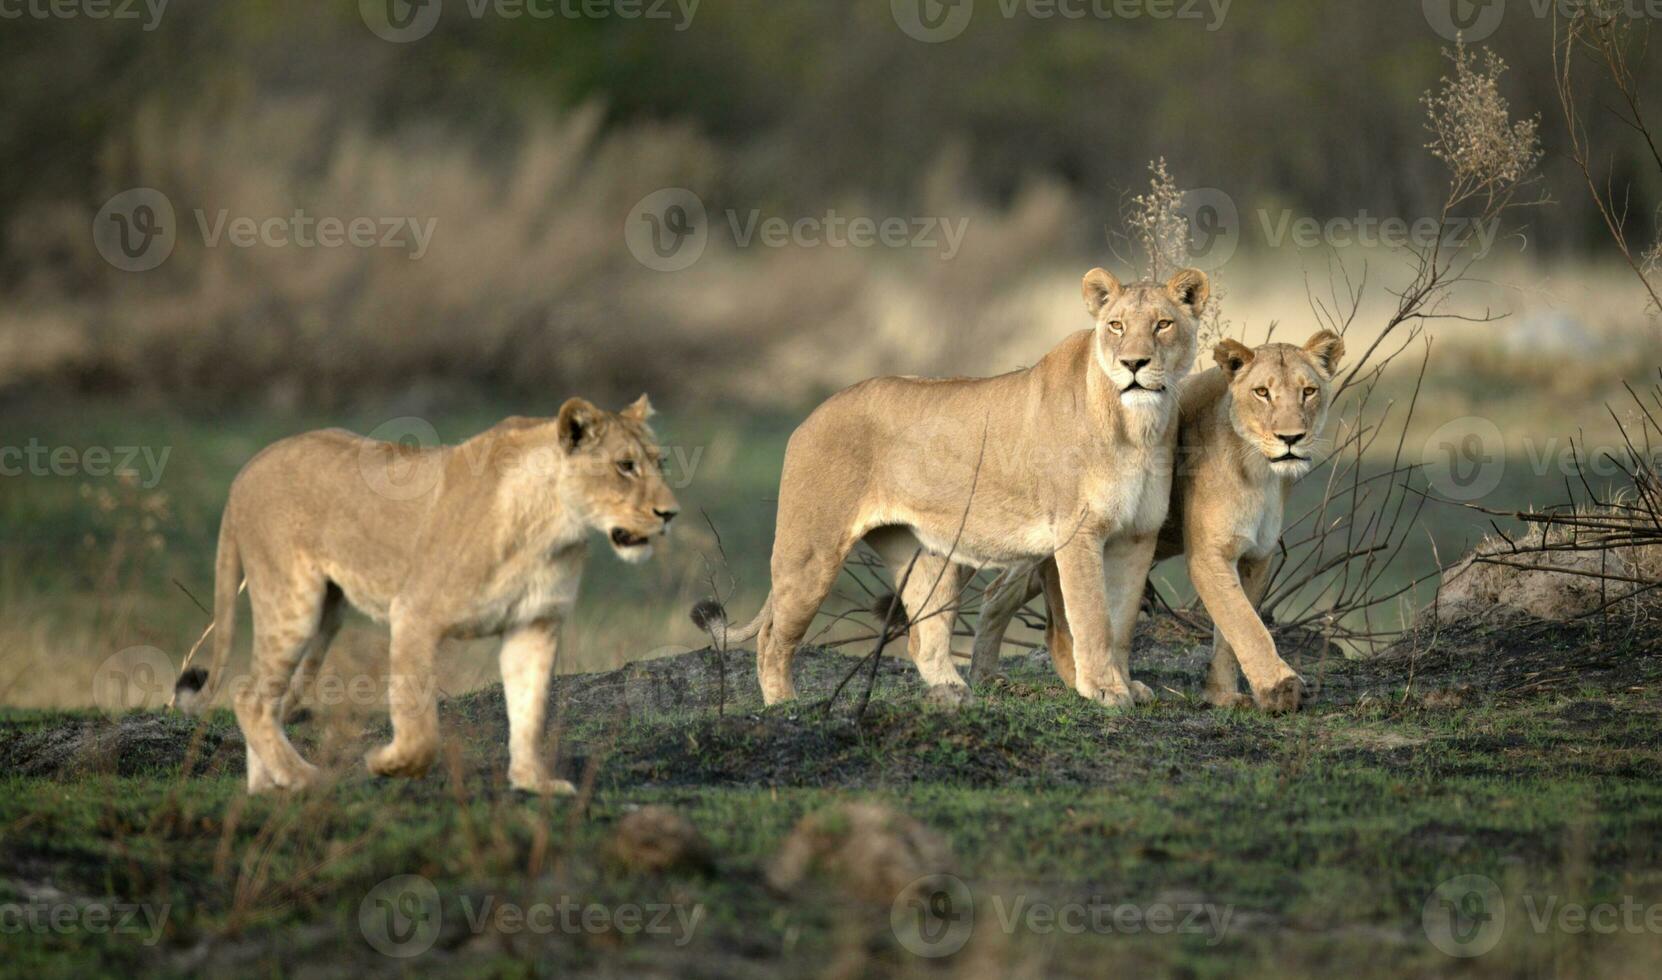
{"x": 527, "y": 285}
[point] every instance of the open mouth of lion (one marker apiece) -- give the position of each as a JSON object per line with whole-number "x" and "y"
{"x": 622, "y": 538}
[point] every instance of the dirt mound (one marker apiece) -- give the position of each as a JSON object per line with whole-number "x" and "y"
{"x": 696, "y": 719}
{"x": 128, "y": 745}
{"x": 1556, "y": 584}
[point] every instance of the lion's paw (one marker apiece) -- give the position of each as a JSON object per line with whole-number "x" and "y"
{"x": 949, "y": 696}
{"x": 541, "y": 785}
{"x": 1142, "y": 693}
{"x": 1116, "y": 698}
{"x": 1284, "y": 697}
{"x": 396, "y": 760}
{"x": 1228, "y": 699}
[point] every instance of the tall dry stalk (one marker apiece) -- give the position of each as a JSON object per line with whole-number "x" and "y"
{"x": 1603, "y": 33}
{"x": 1335, "y": 556}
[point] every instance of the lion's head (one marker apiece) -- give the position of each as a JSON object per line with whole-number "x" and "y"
{"x": 1279, "y": 397}
{"x": 1145, "y": 338}
{"x": 614, "y": 475}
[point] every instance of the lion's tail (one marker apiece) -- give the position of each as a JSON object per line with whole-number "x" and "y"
{"x": 709, "y": 616}
{"x": 195, "y": 687}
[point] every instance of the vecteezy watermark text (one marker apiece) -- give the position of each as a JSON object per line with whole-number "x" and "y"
{"x": 934, "y": 21}
{"x": 575, "y": 918}
{"x": 137, "y": 229}
{"x": 1472, "y": 21}
{"x": 934, "y": 916}
{"x": 669, "y": 229}
{"x": 402, "y": 917}
{"x": 403, "y": 21}
{"x": 150, "y": 11}
{"x": 41, "y": 917}
{"x": 35, "y": 458}
{"x": 302, "y": 230}
{"x": 1466, "y": 915}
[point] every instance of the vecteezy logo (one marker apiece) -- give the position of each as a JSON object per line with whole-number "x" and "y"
{"x": 667, "y": 230}
{"x": 135, "y": 230}
{"x": 404, "y": 470}
{"x": 137, "y": 677}
{"x": 400, "y": 917}
{"x": 933, "y": 916}
{"x": 1465, "y": 458}
{"x": 1214, "y": 226}
{"x": 400, "y": 21}
{"x": 1465, "y": 916}
{"x": 1467, "y": 20}
{"x": 932, "y": 21}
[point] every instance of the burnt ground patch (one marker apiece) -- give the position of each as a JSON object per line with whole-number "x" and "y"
{"x": 1502, "y": 749}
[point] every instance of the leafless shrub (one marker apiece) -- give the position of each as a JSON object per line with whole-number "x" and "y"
{"x": 1487, "y": 152}
{"x": 1336, "y": 555}
{"x": 1605, "y": 35}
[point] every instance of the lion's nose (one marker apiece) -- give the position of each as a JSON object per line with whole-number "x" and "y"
{"x": 1290, "y": 438}
{"x": 1135, "y": 364}
{"x": 665, "y": 515}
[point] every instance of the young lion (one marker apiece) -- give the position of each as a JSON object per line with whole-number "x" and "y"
{"x": 1071, "y": 457}
{"x": 481, "y": 539}
{"x": 1250, "y": 427}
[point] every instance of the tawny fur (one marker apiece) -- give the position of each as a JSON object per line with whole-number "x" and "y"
{"x": 1071, "y": 457}
{"x": 1226, "y": 513}
{"x": 487, "y": 538}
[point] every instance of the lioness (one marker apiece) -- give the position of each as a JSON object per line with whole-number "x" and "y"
{"x": 481, "y": 539}
{"x": 1071, "y": 457}
{"x": 1250, "y": 427}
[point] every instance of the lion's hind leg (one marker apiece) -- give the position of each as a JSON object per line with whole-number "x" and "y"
{"x": 311, "y": 659}
{"x": 931, "y": 588}
{"x": 802, "y": 578}
{"x": 286, "y": 619}
{"x": 1013, "y": 588}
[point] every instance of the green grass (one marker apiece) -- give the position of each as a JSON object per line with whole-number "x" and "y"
{"x": 1320, "y": 836}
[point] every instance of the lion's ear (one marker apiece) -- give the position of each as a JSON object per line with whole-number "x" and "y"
{"x": 1189, "y": 287}
{"x": 639, "y": 410}
{"x": 1232, "y": 356}
{"x": 1327, "y": 348}
{"x": 1099, "y": 287}
{"x": 577, "y": 423}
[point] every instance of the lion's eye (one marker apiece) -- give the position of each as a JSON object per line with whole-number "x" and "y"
{"x": 1310, "y": 393}
{"x": 1164, "y": 325}
{"x": 1263, "y": 393}
{"x": 626, "y": 467}
{"x": 1116, "y": 326}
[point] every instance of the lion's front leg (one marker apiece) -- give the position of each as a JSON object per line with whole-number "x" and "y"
{"x": 1080, "y": 570}
{"x": 527, "y": 660}
{"x": 1223, "y": 677}
{"x": 1275, "y": 687}
{"x": 1126, "y": 562}
{"x": 411, "y": 698}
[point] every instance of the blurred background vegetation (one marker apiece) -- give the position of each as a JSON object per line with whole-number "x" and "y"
{"x": 530, "y": 140}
